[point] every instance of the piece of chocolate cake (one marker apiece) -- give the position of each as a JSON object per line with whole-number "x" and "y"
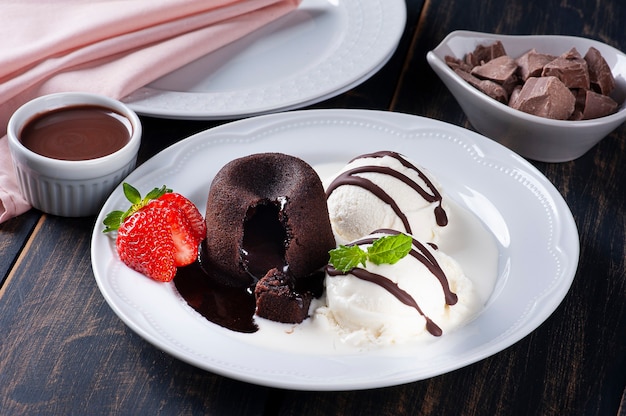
{"x": 277, "y": 299}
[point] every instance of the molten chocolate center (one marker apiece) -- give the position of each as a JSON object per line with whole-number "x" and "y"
{"x": 264, "y": 239}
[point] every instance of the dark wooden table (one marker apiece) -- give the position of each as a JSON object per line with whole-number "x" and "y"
{"x": 64, "y": 351}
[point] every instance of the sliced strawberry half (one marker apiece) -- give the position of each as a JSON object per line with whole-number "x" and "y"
{"x": 183, "y": 232}
{"x": 191, "y": 213}
{"x": 158, "y": 233}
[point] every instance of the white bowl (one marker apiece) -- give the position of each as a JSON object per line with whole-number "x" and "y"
{"x": 70, "y": 188}
{"x": 531, "y": 136}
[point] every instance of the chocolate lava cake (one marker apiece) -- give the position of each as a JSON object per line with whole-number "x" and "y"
{"x": 267, "y": 211}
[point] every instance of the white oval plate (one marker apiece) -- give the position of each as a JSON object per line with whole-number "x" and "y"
{"x": 320, "y": 50}
{"x": 533, "y": 227}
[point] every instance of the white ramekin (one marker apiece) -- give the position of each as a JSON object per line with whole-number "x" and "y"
{"x": 64, "y": 187}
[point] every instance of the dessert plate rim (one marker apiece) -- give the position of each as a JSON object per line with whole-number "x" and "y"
{"x": 318, "y": 51}
{"x": 535, "y": 231}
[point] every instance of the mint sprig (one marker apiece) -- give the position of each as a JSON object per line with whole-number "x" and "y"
{"x": 346, "y": 258}
{"x": 389, "y": 249}
{"x": 385, "y": 250}
{"x": 114, "y": 219}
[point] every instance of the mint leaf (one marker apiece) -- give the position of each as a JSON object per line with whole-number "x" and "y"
{"x": 347, "y": 258}
{"x": 389, "y": 249}
{"x": 384, "y": 250}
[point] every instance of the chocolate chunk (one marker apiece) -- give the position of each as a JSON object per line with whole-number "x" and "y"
{"x": 491, "y": 71}
{"x": 546, "y": 97}
{"x": 500, "y": 69}
{"x": 514, "y": 96}
{"x": 576, "y": 115}
{"x": 492, "y": 89}
{"x": 485, "y": 53}
{"x": 456, "y": 63}
{"x": 579, "y": 106}
{"x": 570, "y": 68}
{"x": 600, "y": 74}
{"x": 596, "y": 105}
{"x": 531, "y": 64}
{"x": 510, "y": 84}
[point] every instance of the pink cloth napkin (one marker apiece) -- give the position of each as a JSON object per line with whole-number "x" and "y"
{"x": 109, "y": 47}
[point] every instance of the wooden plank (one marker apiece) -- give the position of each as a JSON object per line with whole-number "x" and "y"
{"x": 63, "y": 350}
{"x": 14, "y": 235}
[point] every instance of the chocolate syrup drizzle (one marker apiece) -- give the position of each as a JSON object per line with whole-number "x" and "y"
{"x": 421, "y": 253}
{"x": 350, "y": 178}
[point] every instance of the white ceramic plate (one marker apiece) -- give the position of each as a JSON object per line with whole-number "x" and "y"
{"x": 534, "y": 230}
{"x": 323, "y": 48}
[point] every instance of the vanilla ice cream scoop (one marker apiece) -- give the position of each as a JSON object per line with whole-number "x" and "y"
{"x": 424, "y": 294}
{"x": 384, "y": 190}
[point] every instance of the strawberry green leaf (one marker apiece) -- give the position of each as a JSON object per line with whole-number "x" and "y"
{"x": 157, "y": 193}
{"x": 112, "y": 221}
{"x": 131, "y": 193}
{"x": 346, "y": 258}
{"x": 389, "y": 249}
{"x": 115, "y": 219}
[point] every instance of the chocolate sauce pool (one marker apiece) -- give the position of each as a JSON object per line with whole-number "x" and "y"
{"x": 76, "y": 133}
{"x": 230, "y": 307}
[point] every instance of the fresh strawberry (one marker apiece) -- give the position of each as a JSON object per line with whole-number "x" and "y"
{"x": 196, "y": 220}
{"x": 144, "y": 244}
{"x": 158, "y": 233}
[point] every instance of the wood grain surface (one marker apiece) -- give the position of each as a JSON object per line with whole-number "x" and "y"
{"x": 64, "y": 351}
